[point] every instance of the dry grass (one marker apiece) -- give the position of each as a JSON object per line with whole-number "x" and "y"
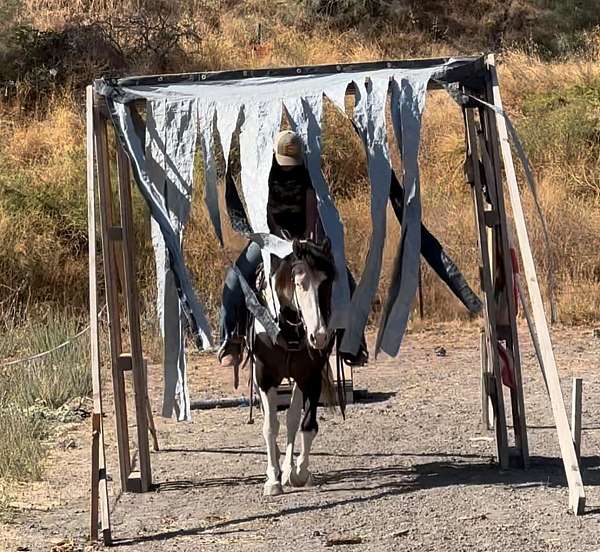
{"x": 31, "y": 393}
{"x": 555, "y": 106}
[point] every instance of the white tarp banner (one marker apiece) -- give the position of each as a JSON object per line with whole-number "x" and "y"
{"x": 179, "y": 111}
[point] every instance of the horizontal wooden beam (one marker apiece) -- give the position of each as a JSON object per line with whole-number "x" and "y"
{"x": 460, "y": 69}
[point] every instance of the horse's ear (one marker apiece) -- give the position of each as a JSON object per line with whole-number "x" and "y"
{"x": 326, "y": 246}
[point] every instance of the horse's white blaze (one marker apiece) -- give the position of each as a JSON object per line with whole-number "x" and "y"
{"x": 306, "y": 290}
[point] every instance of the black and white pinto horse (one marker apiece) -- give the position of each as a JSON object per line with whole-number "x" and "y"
{"x": 302, "y": 286}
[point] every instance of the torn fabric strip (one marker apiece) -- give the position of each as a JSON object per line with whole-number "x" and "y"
{"x": 206, "y": 121}
{"x": 170, "y": 143}
{"x": 369, "y": 118}
{"x": 408, "y": 98}
{"x": 133, "y": 144}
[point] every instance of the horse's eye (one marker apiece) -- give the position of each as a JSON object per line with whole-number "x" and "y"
{"x": 300, "y": 279}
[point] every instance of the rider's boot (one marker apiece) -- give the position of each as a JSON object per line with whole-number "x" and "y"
{"x": 230, "y": 353}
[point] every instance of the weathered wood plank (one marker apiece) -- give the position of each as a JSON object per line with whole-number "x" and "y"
{"x": 112, "y": 297}
{"x": 569, "y": 456}
{"x": 576, "y": 414}
{"x": 488, "y": 290}
{"x": 99, "y": 495}
{"x": 135, "y": 337}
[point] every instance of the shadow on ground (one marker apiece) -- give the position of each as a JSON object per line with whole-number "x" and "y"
{"x": 378, "y": 482}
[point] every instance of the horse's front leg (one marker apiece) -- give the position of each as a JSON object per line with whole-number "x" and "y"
{"x": 308, "y": 432}
{"x": 270, "y": 431}
{"x": 293, "y": 423}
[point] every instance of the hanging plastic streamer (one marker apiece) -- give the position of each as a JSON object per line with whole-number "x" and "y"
{"x": 170, "y": 144}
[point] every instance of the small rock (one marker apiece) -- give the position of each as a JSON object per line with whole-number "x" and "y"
{"x": 401, "y": 533}
{"x": 316, "y": 534}
{"x": 68, "y": 444}
{"x": 337, "y": 541}
{"x": 596, "y": 332}
{"x": 440, "y": 351}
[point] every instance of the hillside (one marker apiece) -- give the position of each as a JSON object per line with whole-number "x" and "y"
{"x": 49, "y": 50}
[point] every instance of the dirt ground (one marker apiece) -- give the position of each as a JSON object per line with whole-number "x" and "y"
{"x": 411, "y": 469}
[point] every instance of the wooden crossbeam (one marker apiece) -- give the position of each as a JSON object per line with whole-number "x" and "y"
{"x": 569, "y": 456}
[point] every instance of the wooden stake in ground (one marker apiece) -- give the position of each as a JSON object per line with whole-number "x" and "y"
{"x": 576, "y": 415}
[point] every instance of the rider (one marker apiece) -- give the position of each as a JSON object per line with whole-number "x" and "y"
{"x": 291, "y": 213}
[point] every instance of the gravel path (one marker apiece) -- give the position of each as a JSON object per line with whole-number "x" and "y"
{"x": 410, "y": 470}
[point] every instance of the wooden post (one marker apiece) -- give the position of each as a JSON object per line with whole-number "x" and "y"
{"x": 569, "y": 456}
{"x": 421, "y": 310}
{"x": 487, "y": 286}
{"x": 135, "y": 338}
{"x": 576, "y": 415}
{"x": 112, "y": 296}
{"x": 98, "y": 476}
{"x": 151, "y": 425}
{"x": 491, "y": 162}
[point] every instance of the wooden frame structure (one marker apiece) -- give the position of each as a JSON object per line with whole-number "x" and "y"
{"x": 488, "y": 150}
{"x": 116, "y": 232}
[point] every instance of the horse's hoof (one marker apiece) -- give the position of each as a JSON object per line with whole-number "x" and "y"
{"x": 272, "y": 489}
{"x": 303, "y": 479}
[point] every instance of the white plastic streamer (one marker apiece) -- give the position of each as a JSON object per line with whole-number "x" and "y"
{"x": 170, "y": 144}
{"x": 228, "y": 116}
{"x": 206, "y": 121}
{"x": 410, "y": 93}
{"x": 369, "y": 118}
{"x": 262, "y": 120}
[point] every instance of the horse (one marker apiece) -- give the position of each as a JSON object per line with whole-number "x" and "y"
{"x": 302, "y": 285}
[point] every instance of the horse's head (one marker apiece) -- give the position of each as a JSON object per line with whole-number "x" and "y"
{"x": 303, "y": 282}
